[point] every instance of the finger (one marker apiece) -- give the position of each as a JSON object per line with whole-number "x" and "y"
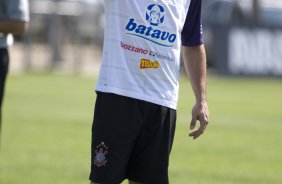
{"x": 193, "y": 122}
{"x": 196, "y": 134}
{"x": 203, "y": 122}
{"x": 203, "y": 126}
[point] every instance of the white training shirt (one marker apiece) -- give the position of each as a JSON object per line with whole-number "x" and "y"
{"x": 141, "y": 54}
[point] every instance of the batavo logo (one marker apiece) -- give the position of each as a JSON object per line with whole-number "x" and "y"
{"x": 155, "y": 16}
{"x": 146, "y": 63}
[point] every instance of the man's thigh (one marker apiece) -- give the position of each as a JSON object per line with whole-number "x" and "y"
{"x": 4, "y": 64}
{"x": 130, "y": 139}
{"x": 117, "y": 122}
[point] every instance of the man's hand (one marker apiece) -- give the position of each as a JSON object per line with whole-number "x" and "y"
{"x": 200, "y": 113}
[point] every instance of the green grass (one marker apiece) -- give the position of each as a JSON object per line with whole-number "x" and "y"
{"x": 47, "y": 128}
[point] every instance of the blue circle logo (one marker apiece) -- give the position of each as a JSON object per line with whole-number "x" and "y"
{"x": 155, "y": 14}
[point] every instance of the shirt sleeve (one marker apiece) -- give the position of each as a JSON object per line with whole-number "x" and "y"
{"x": 192, "y": 33}
{"x": 17, "y": 10}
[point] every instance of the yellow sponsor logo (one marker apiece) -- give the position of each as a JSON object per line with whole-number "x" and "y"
{"x": 146, "y": 63}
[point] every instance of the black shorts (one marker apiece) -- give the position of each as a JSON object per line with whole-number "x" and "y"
{"x": 131, "y": 139}
{"x": 4, "y": 65}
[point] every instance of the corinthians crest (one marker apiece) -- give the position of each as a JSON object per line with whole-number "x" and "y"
{"x": 100, "y": 155}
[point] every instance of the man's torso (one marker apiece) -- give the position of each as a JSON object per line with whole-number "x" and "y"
{"x": 141, "y": 56}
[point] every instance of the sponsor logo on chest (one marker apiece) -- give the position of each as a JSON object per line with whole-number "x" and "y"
{"x": 146, "y": 63}
{"x": 155, "y": 16}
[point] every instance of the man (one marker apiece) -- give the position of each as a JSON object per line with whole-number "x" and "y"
{"x": 14, "y": 15}
{"x": 137, "y": 90}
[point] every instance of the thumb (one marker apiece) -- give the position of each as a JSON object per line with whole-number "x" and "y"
{"x": 193, "y": 122}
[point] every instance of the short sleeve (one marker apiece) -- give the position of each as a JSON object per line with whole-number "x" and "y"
{"x": 192, "y": 33}
{"x": 17, "y": 10}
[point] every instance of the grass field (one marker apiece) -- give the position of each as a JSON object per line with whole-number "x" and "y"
{"x": 47, "y": 123}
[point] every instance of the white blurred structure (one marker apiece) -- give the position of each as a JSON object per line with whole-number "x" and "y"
{"x": 58, "y": 25}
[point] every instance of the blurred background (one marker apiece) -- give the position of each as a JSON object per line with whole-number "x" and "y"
{"x": 64, "y": 35}
{"x": 240, "y": 36}
{"x": 49, "y": 100}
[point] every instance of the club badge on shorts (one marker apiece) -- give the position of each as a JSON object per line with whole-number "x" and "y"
{"x": 100, "y": 155}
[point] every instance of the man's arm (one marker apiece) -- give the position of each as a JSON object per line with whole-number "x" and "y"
{"x": 12, "y": 26}
{"x": 195, "y": 66}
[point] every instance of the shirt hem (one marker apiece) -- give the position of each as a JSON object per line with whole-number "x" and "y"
{"x": 130, "y": 94}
